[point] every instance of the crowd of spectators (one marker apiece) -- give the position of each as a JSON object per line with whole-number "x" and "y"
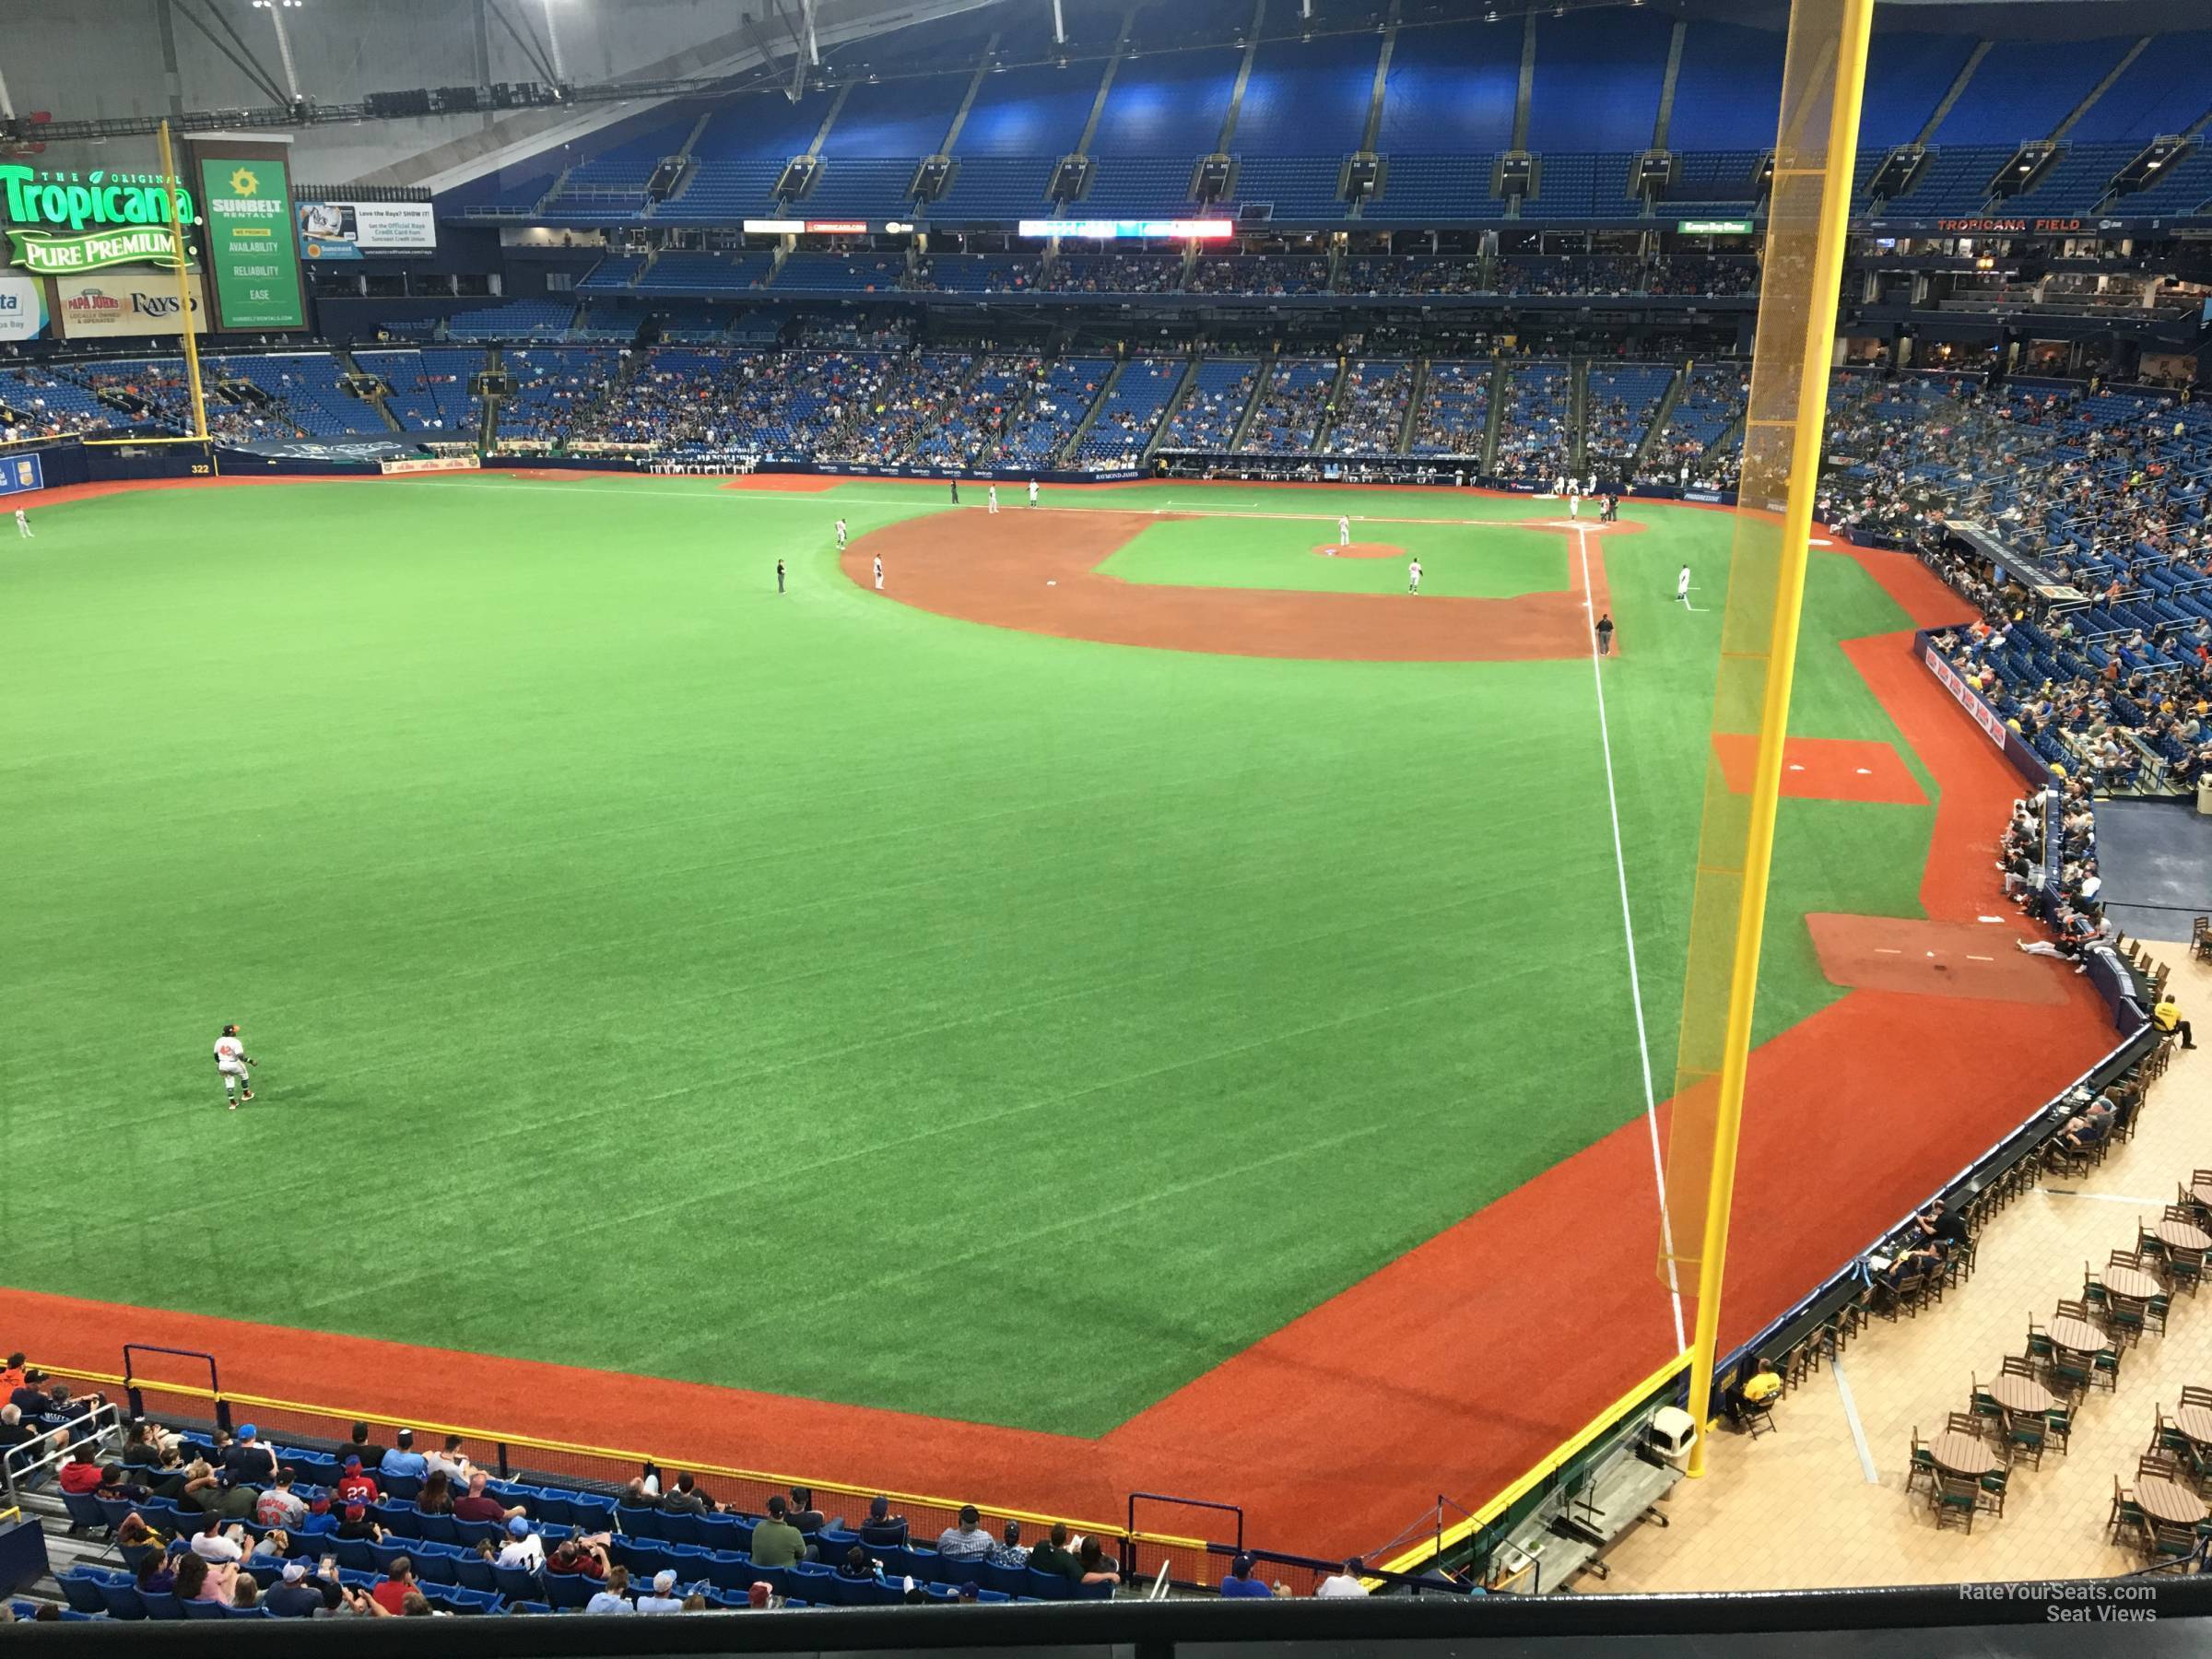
{"x": 1371, "y": 411}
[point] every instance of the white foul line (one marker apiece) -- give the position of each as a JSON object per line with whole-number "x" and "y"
{"x": 1643, "y": 1044}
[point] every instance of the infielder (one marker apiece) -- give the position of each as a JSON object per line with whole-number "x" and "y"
{"x": 879, "y": 572}
{"x": 994, "y": 498}
{"x": 1413, "y": 577}
{"x": 230, "y": 1062}
{"x": 840, "y": 536}
{"x": 1032, "y": 492}
{"x": 1682, "y": 587}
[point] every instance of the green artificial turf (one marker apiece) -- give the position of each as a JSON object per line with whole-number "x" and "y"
{"x": 803, "y": 992}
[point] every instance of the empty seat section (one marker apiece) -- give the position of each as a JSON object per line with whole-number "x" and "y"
{"x": 1451, "y": 91}
{"x": 2022, "y": 89}
{"x": 685, "y": 270}
{"x": 1305, "y": 97}
{"x": 1035, "y": 110}
{"x": 1420, "y": 189}
{"x": 905, "y": 116}
{"x": 740, "y": 155}
{"x": 840, "y": 273}
{"x": 1171, "y": 104}
{"x": 2164, "y": 90}
{"x": 1295, "y": 186}
{"x": 852, "y": 187}
{"x": 1138, "y": 187}
{"x": 1907, "y": 75}
{"x": 1728, "y": 90}
{"x": 1598, "y": 80}
{"x": 996, "y": 187}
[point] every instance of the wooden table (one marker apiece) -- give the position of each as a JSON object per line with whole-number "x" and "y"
{"x": 2202, "y": 1193}
{"x": 2169, "y": 1500}
{"x": 2133, "y": 1283}
{"x": 2024, "y": 1396}
{"x": 2195, "y": 1422}
{"x": 2180, "y": 1235}
{"x": 1966, "y": 1456}
{"x": 2078, "y": 1336}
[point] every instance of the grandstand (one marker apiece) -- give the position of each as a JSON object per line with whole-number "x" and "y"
{"x": 885, "y": 684}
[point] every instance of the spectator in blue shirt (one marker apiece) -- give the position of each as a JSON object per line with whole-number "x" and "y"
{"x": 404, "y": 1460}
{"x": 1239, "y": 1581}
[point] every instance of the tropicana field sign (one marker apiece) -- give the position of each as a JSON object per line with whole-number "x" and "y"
{"x": 70, "y": 201}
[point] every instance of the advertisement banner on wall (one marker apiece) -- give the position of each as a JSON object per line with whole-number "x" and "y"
{"x": 22, "y": 308}
{"x": 354, "y": 229}
{"x": 117, "y": 305}
{"x": 19, "y": 473}
{"x": 248, "y": 243}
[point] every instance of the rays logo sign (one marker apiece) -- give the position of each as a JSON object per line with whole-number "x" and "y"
{"x": 250, "y": 250}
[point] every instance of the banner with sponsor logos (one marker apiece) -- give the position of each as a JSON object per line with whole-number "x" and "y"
{"x": 1968, "y": 697}
{"x": 19, "y": 473}
{"x": 250, "y": 249}
{"x": 22, "y": 308}
{"x": 430, "y": 463}
{"x": 117, "y": 305}
{"x": 354, "y": 229}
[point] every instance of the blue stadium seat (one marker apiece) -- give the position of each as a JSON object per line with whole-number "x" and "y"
{"x": 80, "y": 1588}
{"x": 472, "y": 1572}
{"x": 441, "y": 1529}
{"x": 204, "y": 1609}
{"x": 160, "y": 1604}
{"x": 121, "y": 1599}
{"x": 517, "y": 1584}
{"x": 565, "y": 1591}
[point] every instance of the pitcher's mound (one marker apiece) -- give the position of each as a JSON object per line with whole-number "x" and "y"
{"x": 1360, "y": 550}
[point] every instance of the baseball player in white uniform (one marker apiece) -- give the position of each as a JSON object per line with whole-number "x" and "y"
{"x": 1344, "y": 531}
{"x": 1413, "y": 577}
{"x": 879, "y": 572}
{"x": 1574, "y": 498}
{"x": 231, "y": 1062}
{"x": 1032, "y": 492}
{"x": 23, "y": 524}
{"x": 993, "y": 492}
{"x": 840, "y": 536}
{"x": 1682, "y": 586}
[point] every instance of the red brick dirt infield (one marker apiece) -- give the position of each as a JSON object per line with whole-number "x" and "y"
{"x": 1452, "y": 1369}
{"x": 1823, "y": 768}
{"x": 1359, "y": 550}
{"x": 1038, "y": 573}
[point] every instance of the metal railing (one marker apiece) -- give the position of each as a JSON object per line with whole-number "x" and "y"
{"x": 24, "y": 1464}
{"x": 522, "y": 1457}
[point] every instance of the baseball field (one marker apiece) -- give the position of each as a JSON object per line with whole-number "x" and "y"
{"x": 1141, "y": 999}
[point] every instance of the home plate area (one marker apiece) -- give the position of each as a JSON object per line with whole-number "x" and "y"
{"x": 1823, "y": 768}
{"x": 1934, "y": 959}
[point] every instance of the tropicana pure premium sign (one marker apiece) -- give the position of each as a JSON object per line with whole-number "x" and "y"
{"x": 66, "y": 223}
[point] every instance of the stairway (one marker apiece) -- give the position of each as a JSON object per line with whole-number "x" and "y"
{"x": 1578, "y": 413}
{"x": 1413, "y": 407}
{"x": 1329, "y": 410}
{"x": 1260, "y": 384}
{"x": 1066, "y": 455}
{"x": 1175, "y": 400}
{"x": 1660, "y": 417}
{"x": 1500, "y": 381}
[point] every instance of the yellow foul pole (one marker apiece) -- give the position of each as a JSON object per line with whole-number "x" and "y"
{"x": 177, "y": 252}
{"x": 1808, "y": 217}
